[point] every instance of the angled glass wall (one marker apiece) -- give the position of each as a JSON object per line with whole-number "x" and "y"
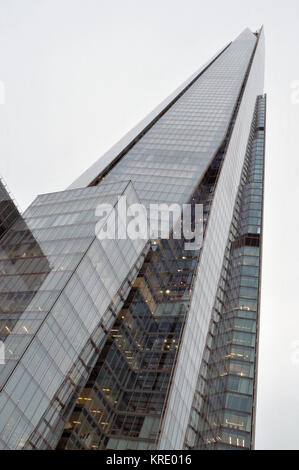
{"x": 223, "y": 411}
{"x": 122, "y": 404}
{"x": 60, "y": 289}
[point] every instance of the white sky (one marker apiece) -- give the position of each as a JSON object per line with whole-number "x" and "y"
{"x": 79, "y": 74}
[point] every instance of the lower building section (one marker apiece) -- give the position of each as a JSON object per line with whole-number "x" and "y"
{"x": 61, "y": 288}
{"x": 122, "y": 403}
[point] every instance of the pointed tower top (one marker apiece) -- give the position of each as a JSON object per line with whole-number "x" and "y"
{"x": 246, "y": 35}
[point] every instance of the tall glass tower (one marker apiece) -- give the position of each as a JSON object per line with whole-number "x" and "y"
{"x": 140, "y": 343}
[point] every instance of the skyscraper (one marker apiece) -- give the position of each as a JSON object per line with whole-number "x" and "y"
{"x": 140, "y": 343}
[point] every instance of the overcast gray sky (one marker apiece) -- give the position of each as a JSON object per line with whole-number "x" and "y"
{"x": 79, "y": 74}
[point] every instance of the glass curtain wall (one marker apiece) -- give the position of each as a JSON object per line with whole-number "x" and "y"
{"x": 223, "y": 411}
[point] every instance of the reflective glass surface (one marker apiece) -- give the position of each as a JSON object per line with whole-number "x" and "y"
{"x": 168, "y": 161}
{"x": 123, "y": 402}
{"x": 206, "y": 284}
{"x": 60, "y": 289}
{"x": 223, "y": 411}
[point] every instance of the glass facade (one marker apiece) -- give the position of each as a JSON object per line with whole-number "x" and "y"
{"x": 223, "y": 410}
{"x": 121, "y": 405}
{"x": 108, "y": 343}
{"x": 169, "y": 160}
{"x": 123, "y": 402}
{"x": 205, "y": 288}
{"x": 61, "y": 288}
{"x": 8, "y": 210}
